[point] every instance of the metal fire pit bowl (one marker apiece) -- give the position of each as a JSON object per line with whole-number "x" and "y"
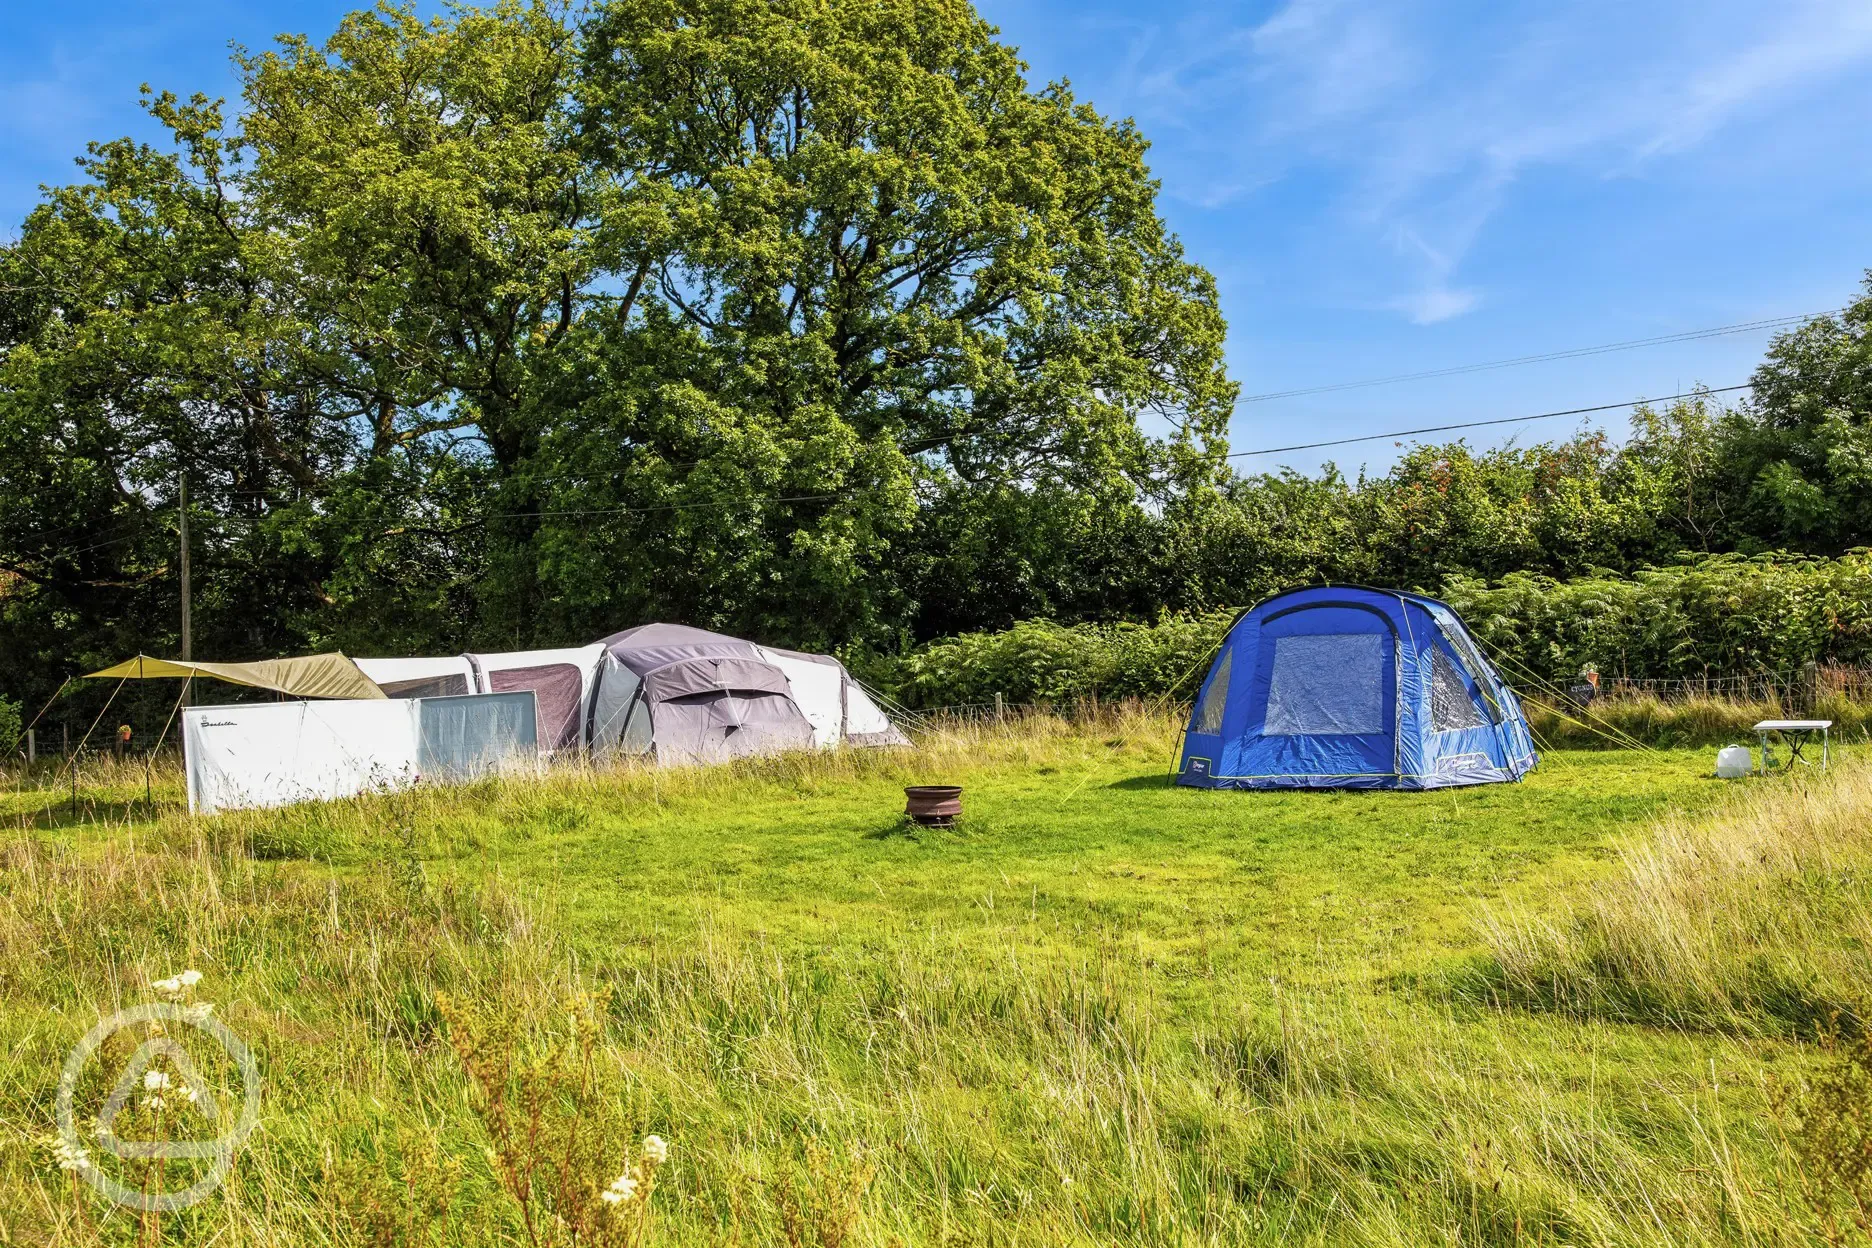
{"x": 933, "y": 805}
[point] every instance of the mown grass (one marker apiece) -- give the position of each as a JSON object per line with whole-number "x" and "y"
{"x": 1101, "y": 1010}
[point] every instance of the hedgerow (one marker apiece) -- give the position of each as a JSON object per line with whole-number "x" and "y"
{"x": 1717, "y": 615}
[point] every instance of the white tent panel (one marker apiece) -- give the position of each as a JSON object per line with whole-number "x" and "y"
{"x": 611, "y": 704}
{"x": 819, "y": 691}
{"x": 585, "y": 658}
{"x": 564, "y": 698}
{"x": 438, "y": 677}
{"x": 866, "y": 723}
{"x": 276, "y": 753}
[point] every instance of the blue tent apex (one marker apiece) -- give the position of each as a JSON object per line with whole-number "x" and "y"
{"x": 1347, "y": 687}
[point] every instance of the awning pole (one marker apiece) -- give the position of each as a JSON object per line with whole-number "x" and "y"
{"x": 87, "y": 736}
{"x": 149, "y": 759}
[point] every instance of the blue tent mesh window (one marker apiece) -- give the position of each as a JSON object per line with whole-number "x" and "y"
{"x": 1478, "y": 665}
{"x": 1209, "y": 713}
{"x": 1451, "y": 706}
{"x": 1328, "y": 684}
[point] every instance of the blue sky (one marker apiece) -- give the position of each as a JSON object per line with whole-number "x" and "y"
{"x": 1380, "y": 186}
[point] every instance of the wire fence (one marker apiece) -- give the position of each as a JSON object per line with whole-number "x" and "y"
{"x": 1801, "y": 689}
{"x": 1798, "y": 690}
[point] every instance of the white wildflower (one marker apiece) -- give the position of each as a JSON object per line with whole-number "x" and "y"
{"x": 177, "y": 986}
{"x": 622, "y": 1191}
{"x": 655, "y": 1149}
{"x": 70, "y": 1157}
{"x": 155, "y": 1083}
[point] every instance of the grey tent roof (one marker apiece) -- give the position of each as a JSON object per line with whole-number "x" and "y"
{"x": 649, "y": 646}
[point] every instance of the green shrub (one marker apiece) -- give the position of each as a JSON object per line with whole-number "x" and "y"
{"x": 1718, "y": 615}
{"x": 1038, "y": 661}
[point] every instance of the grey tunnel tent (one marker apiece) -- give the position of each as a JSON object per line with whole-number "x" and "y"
{"x": 668, "y": 691}
{"x": 689, "y": 695}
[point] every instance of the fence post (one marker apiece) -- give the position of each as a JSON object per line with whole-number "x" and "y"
{"x": 32, "y": 747}
{"x": 999, "y": 709}
{"x": 1810, "y": 685}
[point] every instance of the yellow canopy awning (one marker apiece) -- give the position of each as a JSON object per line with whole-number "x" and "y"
{"x": 314, "y": 676}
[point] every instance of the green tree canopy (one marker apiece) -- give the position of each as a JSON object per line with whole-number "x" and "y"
{"x": 1797, "y": 463}
{"x": 507, "y": 328}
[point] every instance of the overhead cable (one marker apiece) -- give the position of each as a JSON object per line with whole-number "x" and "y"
{"x": 1478, "y": 424}
{"x": 1692, "y": 335}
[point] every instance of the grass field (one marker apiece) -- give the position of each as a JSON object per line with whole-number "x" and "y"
{"x": 1101, "y": 1010}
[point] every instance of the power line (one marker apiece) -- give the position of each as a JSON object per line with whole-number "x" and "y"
{"x": 809, "y": 498}
{"x": 813, "y": 498}
{"x": 1631, "y": 344}
{"x": 614, "y": 511}
{"x": 1478, "y": 424}
{"x": 638, "y": 511}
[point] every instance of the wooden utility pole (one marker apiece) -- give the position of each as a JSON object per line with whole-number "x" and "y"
{"x": 187, "y": 623}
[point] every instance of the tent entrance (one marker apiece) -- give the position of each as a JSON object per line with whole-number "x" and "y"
{"x": 1325, "y": 698}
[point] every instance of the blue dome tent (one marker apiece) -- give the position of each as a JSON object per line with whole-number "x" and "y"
{"x": 1340, "y": 686}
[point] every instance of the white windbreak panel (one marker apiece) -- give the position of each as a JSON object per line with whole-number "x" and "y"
{"x": 276, "y": 753}
{"x": 462, "y": 738}
{"x": 818, "y": 690}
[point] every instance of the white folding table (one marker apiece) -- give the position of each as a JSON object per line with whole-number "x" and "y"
{"x": 1798, "y": 733}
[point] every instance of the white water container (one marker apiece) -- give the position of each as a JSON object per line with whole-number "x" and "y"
{"x": 1733, "y": 762}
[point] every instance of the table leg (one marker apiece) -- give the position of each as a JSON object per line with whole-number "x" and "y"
{"x": 1767, "y": 763}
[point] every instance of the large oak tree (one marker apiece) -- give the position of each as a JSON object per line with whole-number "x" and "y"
{"x": 507, "y": 327}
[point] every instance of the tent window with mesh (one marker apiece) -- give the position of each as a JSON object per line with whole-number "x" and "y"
{"x": 1451, "y": 705}
{"x": 1209, "y": 714}
{"x": 1327, "y": 684}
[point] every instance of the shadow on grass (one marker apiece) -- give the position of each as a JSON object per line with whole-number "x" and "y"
{"x": 1763, "y": 1002}
{"x": 1134, "y": 783}
{"x": 59, "y": 815}
{"x": 904, "y": 828}
{"x": 901, "y": 827}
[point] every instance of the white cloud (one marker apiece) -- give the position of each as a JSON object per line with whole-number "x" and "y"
{"x": 1417, "y": 122}
{"x": 1816, "y": 42}
{"x": 1439, "y": 303}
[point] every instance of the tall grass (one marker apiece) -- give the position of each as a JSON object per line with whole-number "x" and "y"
{"x": 1680, "y": 722}
{"x": 894, "y": 1085}
{"x": 1758, "y": 917}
